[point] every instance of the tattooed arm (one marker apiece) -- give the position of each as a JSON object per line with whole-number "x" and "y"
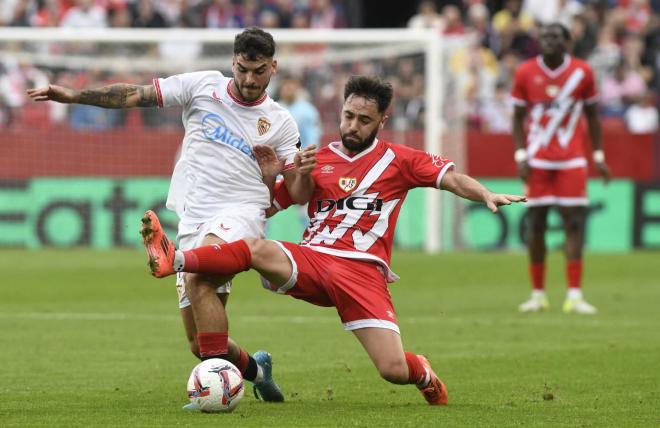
{"x": 118, "y": 95}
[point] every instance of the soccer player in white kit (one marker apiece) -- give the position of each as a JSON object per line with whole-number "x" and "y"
{"x": 217, "y": 188}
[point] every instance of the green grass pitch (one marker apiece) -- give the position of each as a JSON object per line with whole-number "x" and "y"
{"x": 90, "y": 339}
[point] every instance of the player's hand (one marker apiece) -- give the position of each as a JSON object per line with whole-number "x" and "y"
{"x": 494, "y": 200}
{"x": 306, "y": 160}
{"x": 53, "y": 93}
{"x": 523, "y": 170}
{"x": 604, "y": 171}
{"x": 267, "y": 160}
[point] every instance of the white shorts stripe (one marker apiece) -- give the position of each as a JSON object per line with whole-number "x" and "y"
{"x": 566, "y": 164}
{"x": 376, "y": 323}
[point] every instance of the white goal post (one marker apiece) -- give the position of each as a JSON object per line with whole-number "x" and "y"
{"x": 30, "y": 44}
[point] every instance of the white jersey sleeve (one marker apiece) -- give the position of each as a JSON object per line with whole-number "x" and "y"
{"x": 288, "y": 142}
{"x": 179, "y": 89}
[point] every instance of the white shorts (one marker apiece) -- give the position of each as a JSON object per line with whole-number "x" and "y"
{"x": 229, "y": 225}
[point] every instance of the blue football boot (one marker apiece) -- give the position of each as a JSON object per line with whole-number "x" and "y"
{"x": 267, "y": 389}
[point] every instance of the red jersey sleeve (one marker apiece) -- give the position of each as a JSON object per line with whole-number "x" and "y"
{"x": 422, "y": 169}
{"x": 589, "y": 92}
{"x": 519, "y": 91}
{"x": 282, "y": 199}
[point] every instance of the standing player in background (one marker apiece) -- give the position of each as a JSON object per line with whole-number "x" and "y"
{"x": 343, "y": 260}
{"x": 217, "y": 188}
{"x": 553, "y": 89}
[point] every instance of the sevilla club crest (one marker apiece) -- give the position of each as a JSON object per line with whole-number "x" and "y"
{"x": 263, "y": 125}
{"x": 347, "y": 183}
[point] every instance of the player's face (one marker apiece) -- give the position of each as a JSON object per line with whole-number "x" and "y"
{"x": 360, "y": 122}
{"x": 251, "y": 77}
{"x": 552, "y": 42}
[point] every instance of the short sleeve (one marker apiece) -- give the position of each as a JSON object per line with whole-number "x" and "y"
{"x": 179, "y": 89}
{"x": 589, "y": 93}
{"x": 288, "y": 143}
{"x": 519, "y": 91}
{"x": 423, "y": 169}
{"x": 282, "y": 199}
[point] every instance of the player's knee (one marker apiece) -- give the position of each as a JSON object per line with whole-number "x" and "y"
{"x": 394, "y": 371}
{"x": 258, "y": 249}
{"x": 197, "y": 286}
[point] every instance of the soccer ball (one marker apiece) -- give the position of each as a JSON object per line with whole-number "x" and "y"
{"x": 215, "y": 385}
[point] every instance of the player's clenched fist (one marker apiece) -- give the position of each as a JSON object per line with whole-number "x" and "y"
{"x": 53, "y": 93}
{"x": 306, "y": 159}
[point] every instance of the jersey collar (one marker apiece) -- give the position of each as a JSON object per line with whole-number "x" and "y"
{"x": 243, "y": 103}
{"x": 557, "y": 71}
{"x": 335, "y": 148}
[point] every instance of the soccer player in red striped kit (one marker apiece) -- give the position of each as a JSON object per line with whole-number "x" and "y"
{"x": 344, "y": 257}
{"x": 553, "y": 90}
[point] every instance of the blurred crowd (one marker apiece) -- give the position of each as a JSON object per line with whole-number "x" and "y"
{"x": 172, "y": 13}
{"x": 619, "y": 38}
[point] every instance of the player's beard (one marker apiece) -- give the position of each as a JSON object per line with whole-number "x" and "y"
{"x": 356, "y": 147}
{"x": 243, "y": 89}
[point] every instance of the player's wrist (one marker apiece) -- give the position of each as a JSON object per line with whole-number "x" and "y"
{"x": 520, "y": 155}
{"x": 599, "y": 156}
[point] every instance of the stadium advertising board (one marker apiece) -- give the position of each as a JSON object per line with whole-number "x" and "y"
{"x": 104, "y": 213}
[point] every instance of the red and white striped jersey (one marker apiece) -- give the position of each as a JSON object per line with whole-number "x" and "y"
{"x": 357, "y": 200}
{"x": 554, "y": 100}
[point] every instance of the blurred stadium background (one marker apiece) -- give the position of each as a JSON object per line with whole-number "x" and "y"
{"x": 80, "y": 175}
{"x": 90, "y": 340}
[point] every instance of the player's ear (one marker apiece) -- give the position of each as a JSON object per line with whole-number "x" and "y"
{"x": 274, "y": 66}
{"x": 381, "y": 125}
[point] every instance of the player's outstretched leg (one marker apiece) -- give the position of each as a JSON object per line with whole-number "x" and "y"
{"x": 266, "y": 389}
{"x": 159, "y": 247}
{"x": 435, "y": 392}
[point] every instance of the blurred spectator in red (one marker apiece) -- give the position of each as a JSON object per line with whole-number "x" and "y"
{"x": 451, "y": 17}
{"x": 621, "y": 89}
{"x": 642, "y": 116}
{"x": 427, "y": 17}
{"x": 50, "y": 14}
{"x": 85, "y": 14}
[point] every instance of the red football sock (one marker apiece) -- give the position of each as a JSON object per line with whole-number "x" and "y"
{"x": 574, "y": 273}
{"x": 219, "y": 259}
{"x": 537, "y": 274}
{"x": 212, "y": 344}
{"x": 416, "y": 370}
{"x": 243, "y": 360}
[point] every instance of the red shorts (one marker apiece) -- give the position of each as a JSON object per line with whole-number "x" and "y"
{"x": 567, "y": 187}
{"x": 356, "y": 288}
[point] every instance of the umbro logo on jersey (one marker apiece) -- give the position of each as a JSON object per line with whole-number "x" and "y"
{"x": 328, "y": 169}
{"x": 263, "y": 125}
{"x": 347, "y": 183}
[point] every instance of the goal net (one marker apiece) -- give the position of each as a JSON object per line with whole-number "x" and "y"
{"x": 73, "y": 175}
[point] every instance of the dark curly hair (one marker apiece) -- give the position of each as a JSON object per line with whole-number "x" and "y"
{"x": 254, "y": 42}
{"x": 371, "y": 88}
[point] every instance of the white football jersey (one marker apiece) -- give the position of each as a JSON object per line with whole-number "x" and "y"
{"x": 217, "y": 169}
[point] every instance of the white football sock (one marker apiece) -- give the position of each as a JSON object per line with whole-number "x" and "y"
{"x": 179, "y": 261}
{"x": 574, "y": 293}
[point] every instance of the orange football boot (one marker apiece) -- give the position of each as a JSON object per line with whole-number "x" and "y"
{"x": 435, "y": 393}
{"x": 159, "y": 247}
